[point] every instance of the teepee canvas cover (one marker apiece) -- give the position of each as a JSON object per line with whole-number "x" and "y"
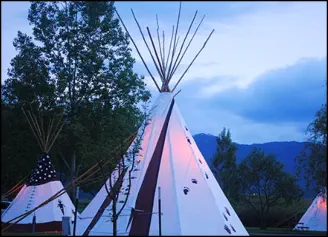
{"x": 192, "y": 202}
{"x": 315, "y": 218}
{"x": 42, "y": 184}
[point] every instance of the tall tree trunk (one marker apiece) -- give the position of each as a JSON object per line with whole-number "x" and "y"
{"x": 114, "y": 215}
{"x": 263, "y": 220}
{"x": 73, "y": 174}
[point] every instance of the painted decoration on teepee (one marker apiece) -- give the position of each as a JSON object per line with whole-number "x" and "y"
{"x": 32, "y": 207}
{"x": 174, "y": 191}
{"x": 43, "y": 173}
{"x": 191, "y": 198}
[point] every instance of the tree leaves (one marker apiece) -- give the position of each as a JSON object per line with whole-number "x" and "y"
{"x": 224, "y": 164}
{"x": 264, "y": 184}
{"x": 312, "y": 161}
{"x": 78, "y": 59}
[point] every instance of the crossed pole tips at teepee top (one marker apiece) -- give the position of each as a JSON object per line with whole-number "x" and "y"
{"x": 45, "y": 137}
{"x": 166, "y": 65}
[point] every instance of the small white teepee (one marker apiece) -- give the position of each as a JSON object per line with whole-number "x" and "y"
{"x": 315, "y": 218}
{"x": 42, "y": 184}
{"x": 190, "y": 199}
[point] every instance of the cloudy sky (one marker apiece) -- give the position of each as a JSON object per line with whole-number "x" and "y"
{"x": 262, "y": 74}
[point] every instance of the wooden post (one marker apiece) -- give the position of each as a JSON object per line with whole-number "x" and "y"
{"x": 159, "y": 212}
{"x": 76, "y": 206}
{"x": 66, "y": 228}
{"x": 33, "y": 223}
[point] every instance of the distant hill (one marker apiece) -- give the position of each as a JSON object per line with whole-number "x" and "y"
{"x": 285, "y": 152}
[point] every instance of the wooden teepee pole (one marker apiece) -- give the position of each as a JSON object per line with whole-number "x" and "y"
{"x": 46, "y": 138}
{"x": 55, "y": 136}
{"x": 184, "y": 40}
{"x": 159, "y": 70}
{"x": 37, "y": 128}
{"x": 193, "y": 60}
{"x": 32, "y": 128}
{"x": 154, "y": 47}
{"x": 49, "y": 130}
{"x": 160, "y": 49}
{"x": 184, "y": 52}
{"x": 168, "y": 55}
{"x": 137, "y": 50}
{"x": 175, "y": 40}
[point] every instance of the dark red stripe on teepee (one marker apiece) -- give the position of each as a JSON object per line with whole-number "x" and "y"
{"x": 104, "y": 205}
{"x": 145, "y": 199}
{"x": 28, "y": 228}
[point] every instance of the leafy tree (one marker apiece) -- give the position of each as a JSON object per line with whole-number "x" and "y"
{"x": 19, "y": 150}
{"x": 118, "y": 191}
{"x": 29, "y": 85}
{"x": 80, "y": 60}
{"x": 224, "y": 164}
{"x": 29, "y": 82}
{"x": 312, "y": 162}
{"x": 264, "y": 184}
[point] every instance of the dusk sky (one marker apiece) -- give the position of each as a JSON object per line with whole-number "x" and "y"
{"x": 263, "y": 73}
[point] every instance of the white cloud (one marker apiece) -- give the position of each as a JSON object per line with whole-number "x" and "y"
{"x": 244, "y": 131}
{"x": 245, "y": 44}
{"x": 243, "y": 47}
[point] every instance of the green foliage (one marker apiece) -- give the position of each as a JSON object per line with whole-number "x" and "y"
{"x": 79, "y": 60}
{"x": 286, "y": 231}
{"x": 29, "y": 82}
{"x": 279, "y": 216}
{"x": 19, "y": 149}
{"x": 264, "y": 184}
{"x": 224, "y": 164}
{"x": 312, "y": 162}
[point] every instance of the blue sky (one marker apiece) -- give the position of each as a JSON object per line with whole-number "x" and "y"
{"x": 262, "y": 74}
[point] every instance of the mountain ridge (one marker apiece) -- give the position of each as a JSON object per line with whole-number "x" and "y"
{"x": 284, "y": 151}
{"x": 214, "y": 136}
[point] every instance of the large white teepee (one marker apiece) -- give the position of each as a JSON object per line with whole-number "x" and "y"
{"x": 42, "y": 184}
{"x": 315, "y": 218}
{"x": 190, "y": 200}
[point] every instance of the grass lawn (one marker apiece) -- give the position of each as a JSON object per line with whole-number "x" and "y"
{"x": 255, "y": 230}
{"x": 280, "y": 216}
{"x": 284, "y": 231}
{"x": 31, "y": 234}
{"x": 303, "y": 204}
